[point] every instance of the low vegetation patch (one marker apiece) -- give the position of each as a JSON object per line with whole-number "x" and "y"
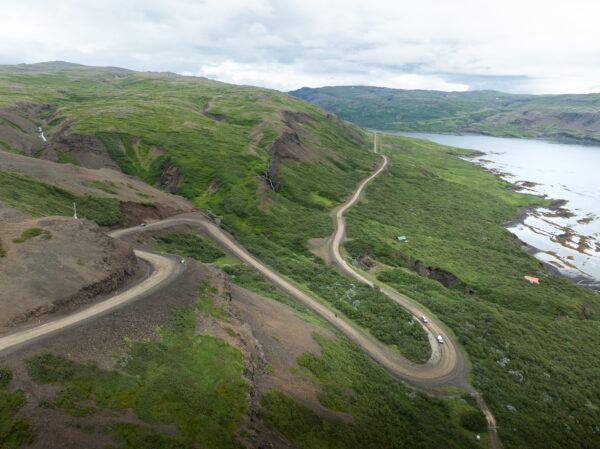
{"x": 2, "y": 250}
{"x": 205, "y": 304}
{"x": 134, "y": 436}
{"x": 191, "y": 381}
{"x": 65, "y": 157}
{"x": 105, "y": 186}
{"x": 189, "y": 245}
{"x": 39, "y": 199}
{"x": 30, "y": 233}
{"x": 474, "y": 421}
{"x": 246, "y": 277}
{"x": 386, "y": 413}
{"x": 14, "y": 428}
{"x": 7, "y": 147}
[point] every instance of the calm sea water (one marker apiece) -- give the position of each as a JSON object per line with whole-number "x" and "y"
{"x": 556, "y": 171}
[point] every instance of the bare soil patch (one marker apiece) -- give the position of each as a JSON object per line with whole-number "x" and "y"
{"x": 284, "y": 335}
{"x": 320, "y": 248}
{"x": 71, "y": 263}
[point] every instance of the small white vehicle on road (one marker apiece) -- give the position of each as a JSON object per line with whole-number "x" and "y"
{"x": 440, "y": 339}
{"x": 424, "y": 319}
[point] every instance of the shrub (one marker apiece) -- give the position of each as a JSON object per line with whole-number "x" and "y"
{"x": 474, "y": 421}
{"x": 48, "y": 368}
{"x": 189, "y": 245}
{"x": 5, "y": 377}
{"x": 31, "y": 233}
{"x": 14, "y": 428}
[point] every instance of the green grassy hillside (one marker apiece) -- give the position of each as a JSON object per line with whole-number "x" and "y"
{"x": 532, "y": 347}
{"x": 565, "y": 117}
{"x": 241, "y": 152}
{"x": 272, "y": 168}
{"x": 269, "y": 165}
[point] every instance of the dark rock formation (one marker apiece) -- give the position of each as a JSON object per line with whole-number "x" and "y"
{"x": 169, "y": 178}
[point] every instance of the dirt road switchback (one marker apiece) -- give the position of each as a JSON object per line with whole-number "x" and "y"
{"x": 164, "y": 270}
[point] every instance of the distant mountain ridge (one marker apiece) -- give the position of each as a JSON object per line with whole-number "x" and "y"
{"x": 562, "y": 117}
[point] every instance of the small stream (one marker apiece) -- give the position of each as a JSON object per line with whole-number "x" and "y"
{"x": 569, "y": 238}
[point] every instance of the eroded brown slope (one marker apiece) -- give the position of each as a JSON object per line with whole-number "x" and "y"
{"x": 69, "y": 264}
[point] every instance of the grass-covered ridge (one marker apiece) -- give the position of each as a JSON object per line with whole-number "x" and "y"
{"x": 269, "y": 165}
{"x": 216, "y": 135}
{"x": 570, "y": 117}
{"x": 40, "y": 199}
{"x": 531, "y": 347}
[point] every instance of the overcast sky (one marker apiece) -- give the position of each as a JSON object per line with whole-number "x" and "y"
{"x": 524, "y": 46}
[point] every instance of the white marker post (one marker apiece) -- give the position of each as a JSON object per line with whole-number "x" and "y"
{"x": 74, "y": 211}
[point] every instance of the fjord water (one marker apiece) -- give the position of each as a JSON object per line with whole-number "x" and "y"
{"x": 558, "y": 171}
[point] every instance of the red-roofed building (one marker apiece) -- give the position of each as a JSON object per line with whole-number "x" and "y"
{"x": 532, "y": 279}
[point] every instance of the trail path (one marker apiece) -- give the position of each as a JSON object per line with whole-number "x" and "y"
{"x": 164, "y": 271}
{"x": 446, "y": 366}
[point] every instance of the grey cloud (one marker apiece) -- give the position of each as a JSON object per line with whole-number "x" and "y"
{"x": 448, "y": 45}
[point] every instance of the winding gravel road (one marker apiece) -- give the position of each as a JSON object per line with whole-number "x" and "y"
{"x": 446, "y": 366}
{"x": 164, "y": 271}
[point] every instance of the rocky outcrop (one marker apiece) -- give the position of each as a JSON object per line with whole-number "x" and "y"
{"x": 85, "y": 148}
{"x": 445, "y": 278}
{"x": 169, "y": 178}
{"x": 289, "y": 145}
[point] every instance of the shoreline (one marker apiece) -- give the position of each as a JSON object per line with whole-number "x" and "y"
{"x": 582, "y": 281}
{"x": 563, "y": 138}
{"x": 471, "y": 155}
{"x": 587, "y": 282}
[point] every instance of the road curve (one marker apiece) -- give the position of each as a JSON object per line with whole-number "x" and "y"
{"x": 164, "y": 271}
{"x": 446, "y": 365}
{"x": 436, "y": 373}
{"x": 447, "y": 358}
{"x": 392, "y": 362}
